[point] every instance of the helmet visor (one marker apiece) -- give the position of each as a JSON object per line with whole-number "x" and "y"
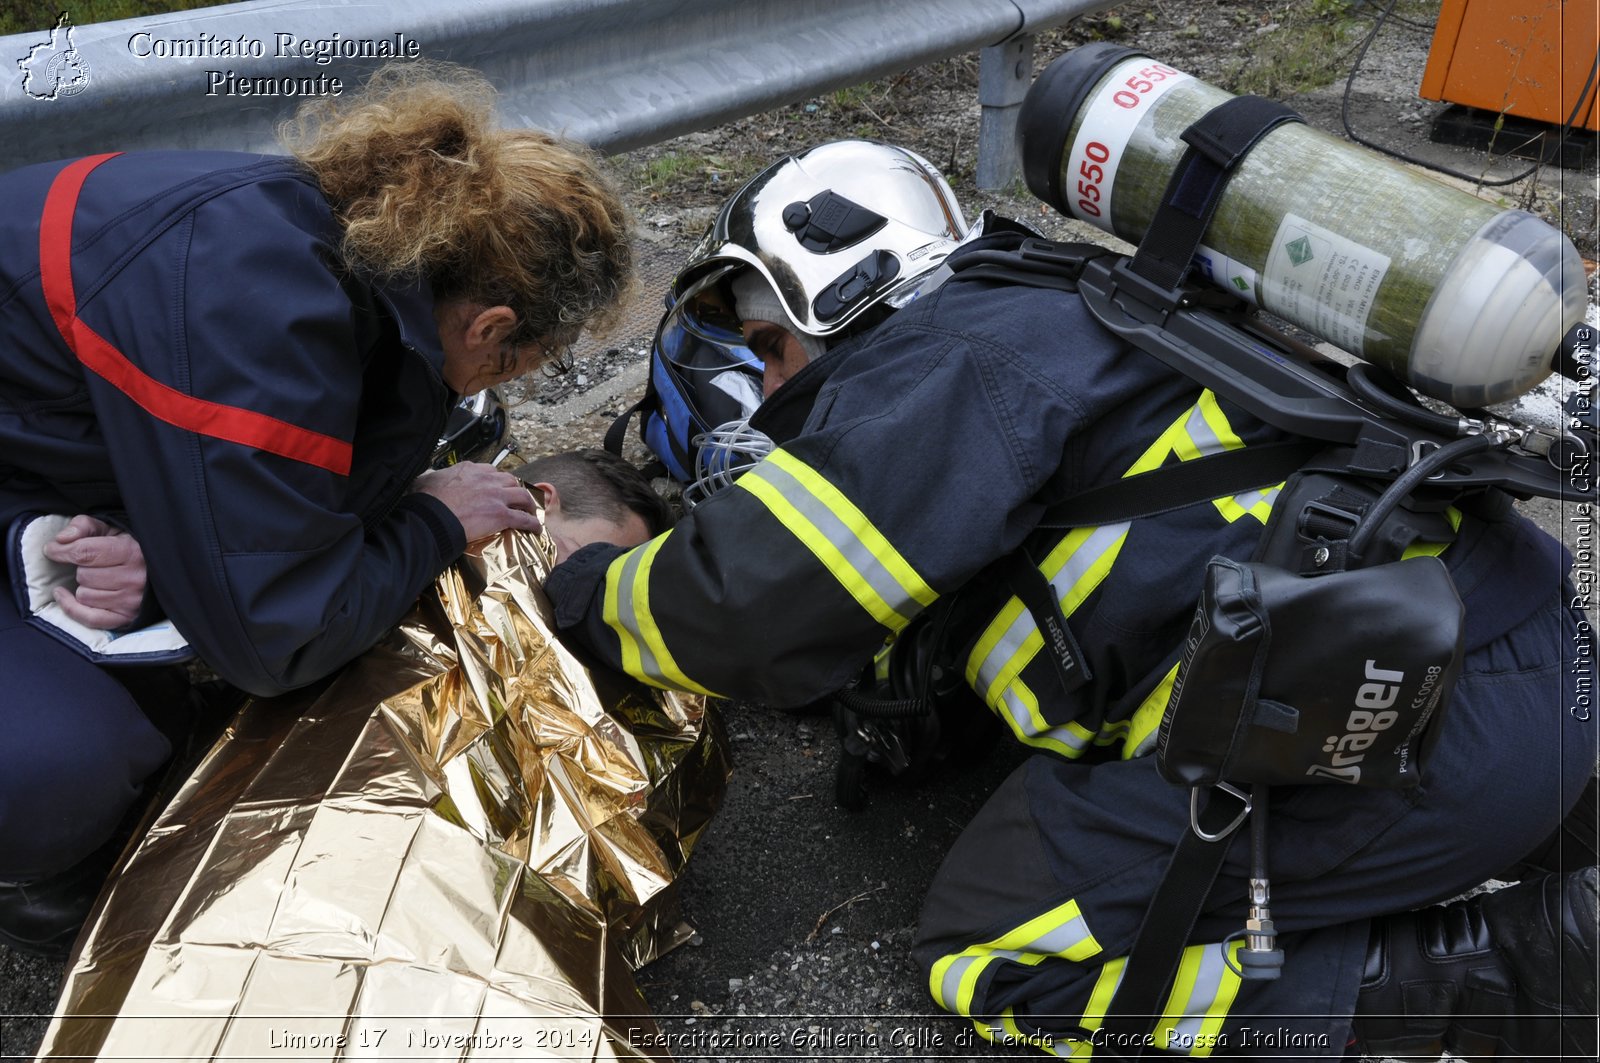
{"x": 700, "y": 329}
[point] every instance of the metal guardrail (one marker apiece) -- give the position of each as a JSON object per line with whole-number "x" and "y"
{"x": 618, "y": 74}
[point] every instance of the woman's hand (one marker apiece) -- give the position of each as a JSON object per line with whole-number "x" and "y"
{"x": 111, "y": 573}
{"x": 484, "y": 499}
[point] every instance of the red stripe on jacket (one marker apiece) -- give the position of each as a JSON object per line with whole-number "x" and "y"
{"x": 214, "y": 419}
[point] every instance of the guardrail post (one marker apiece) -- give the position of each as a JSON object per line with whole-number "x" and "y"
{"x": 1004, "y": 73}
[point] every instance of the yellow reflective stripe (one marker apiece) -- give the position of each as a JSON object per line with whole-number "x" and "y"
{"x": 880, "y": 662}
{"x": 1019, "y": 708}
{"x": 1257, "y": 504}
{"x": 1202, "y": 992}
{"x": 1077, "y": 565}
{"x": 1112, "y": 732}
{"x": 841, "y": 537}
{"x": 1085, "y": 574}
{"x": 627, "y": 612}
{"x": 1201, "y": 429}
{"x": 1060, "y": 933}
{"x": 1146, "y": 719}
{"x": 611, "y": 613}
{"x": 1166, "y": 443}
{"x": 989, "y": 641}
{"x": 1453, "y": 515}
{"x": 1105, "y": 987}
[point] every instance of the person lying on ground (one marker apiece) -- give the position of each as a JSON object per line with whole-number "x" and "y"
{"x": 594, "y": 496}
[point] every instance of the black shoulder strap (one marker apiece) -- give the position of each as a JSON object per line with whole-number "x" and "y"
{"x": 618, "y": 430}
{"x": 1218, "y": 141}
{"x": 1172, "y": 487}
{"x": 1035, "y": 263}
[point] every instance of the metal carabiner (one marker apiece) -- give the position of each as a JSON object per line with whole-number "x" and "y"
{"x": 1194, "y": 812}
{"x": 1421, "y": 448}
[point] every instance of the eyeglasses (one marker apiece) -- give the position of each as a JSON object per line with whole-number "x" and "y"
{"x": 558, "y": 357}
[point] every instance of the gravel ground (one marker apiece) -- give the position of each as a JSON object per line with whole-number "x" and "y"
{"x": 806, "y": 912}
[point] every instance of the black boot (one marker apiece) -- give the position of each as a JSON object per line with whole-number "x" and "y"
{"x": 43, "y": 916}
{"x": 1508, "y": 974}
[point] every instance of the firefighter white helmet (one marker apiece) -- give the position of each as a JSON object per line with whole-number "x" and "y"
{"x": 835, "y": 230}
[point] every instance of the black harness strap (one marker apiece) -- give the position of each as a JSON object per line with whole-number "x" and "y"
{"x": 1148, "y": 494}
{"x": 1183, "y": 484}
{"x": 1218, "y": 141}
{"x": 1140, "y": 998}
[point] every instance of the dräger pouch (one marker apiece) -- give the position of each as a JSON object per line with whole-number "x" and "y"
{"x": 1329, "y": 679}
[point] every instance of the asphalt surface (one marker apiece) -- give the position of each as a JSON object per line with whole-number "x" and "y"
{"x": 806, "y": 911}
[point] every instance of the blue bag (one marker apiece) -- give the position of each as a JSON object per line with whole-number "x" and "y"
{"x": 699, "y": 380}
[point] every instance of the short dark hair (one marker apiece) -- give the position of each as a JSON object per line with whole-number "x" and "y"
{"x": 597, "y": 483}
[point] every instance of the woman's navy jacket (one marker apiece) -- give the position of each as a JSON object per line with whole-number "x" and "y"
{"x": 247, "y": 407}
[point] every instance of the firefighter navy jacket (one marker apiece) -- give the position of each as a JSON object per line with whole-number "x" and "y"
{"x": 912, "y": 457}
{"x": 214, "y": 281}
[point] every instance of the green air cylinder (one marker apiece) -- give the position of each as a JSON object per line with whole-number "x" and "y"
{"x": 1462, "y": 299}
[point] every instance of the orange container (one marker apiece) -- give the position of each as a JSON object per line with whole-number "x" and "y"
{"x": 1529, "y": 58}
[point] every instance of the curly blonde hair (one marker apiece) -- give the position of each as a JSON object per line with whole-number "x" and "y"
{"x": 425, "y": 184}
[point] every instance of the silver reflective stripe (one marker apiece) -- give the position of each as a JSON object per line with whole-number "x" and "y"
{"x": 1210, "y": 985}
{"x": 855, "y": 552}
{"x": 1092, "y": 550}
{"x": 1023, "y": 724}
{"x": 1251, "y": 499}
{"x": 1205, "y": 439}
{"x": 950, "y": 984}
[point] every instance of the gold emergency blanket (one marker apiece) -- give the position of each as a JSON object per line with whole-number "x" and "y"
{"x": 460, "y": 848}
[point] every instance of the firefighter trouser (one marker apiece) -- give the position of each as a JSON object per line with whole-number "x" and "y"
{"x": 1027, "y": 922}
{"x": 75, "y": 751}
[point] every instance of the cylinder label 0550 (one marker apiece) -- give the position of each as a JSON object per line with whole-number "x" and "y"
{"x": 1109, "y": 120}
